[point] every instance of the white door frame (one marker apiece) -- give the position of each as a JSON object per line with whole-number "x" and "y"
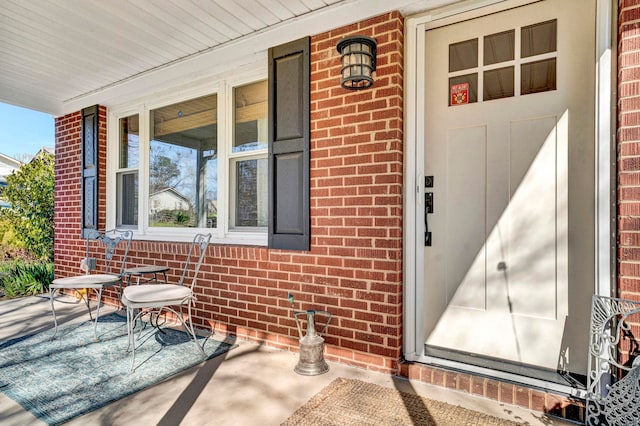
{"x": 604, "y": 187}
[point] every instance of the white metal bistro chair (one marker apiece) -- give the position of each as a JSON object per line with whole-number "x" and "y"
{"x": 154, "y": 298}
{"x": 111, "y": 240}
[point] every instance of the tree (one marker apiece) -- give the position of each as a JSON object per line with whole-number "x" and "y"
{"x": 30, "y": 193}
{"x": 23, "y": 158}
{"x": 163, "y": 173}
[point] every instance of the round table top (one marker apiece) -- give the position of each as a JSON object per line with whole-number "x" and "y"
{"x": 86, "y": 281}
{"x": 147, "y": 269}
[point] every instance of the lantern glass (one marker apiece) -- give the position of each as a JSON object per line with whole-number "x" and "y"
{"x": 358, "y": 59}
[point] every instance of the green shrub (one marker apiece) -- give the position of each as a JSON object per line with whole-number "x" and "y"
{"x": 22, "y": 278}
{"x": 8, "y": 234}
{"x": 10, "y": 246}
{"x": 30, "y": 193}
{"x": 176, "y": 217}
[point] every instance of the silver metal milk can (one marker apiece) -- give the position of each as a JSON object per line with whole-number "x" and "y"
{"x": 311, "y": 361}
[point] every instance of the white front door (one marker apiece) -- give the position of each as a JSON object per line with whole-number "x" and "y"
{"x": 509, "y": 153}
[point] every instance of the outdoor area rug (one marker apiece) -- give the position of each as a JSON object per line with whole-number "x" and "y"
{"x": 347, "y": 402}
{"x": 73, "y": 375}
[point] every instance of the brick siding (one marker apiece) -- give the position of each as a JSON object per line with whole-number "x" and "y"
{"x": 67, "y": 241}
{"x": 354, "y": 269}
{"x": 68, "y": 246}
{"x": 508, "y": 393}
{"x": 628, "y": 134}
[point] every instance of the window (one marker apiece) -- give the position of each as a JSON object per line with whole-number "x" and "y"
{"x": 249, "y": 180}
{"x": 183, "y": 155}
{"x": 194, "y": 163}
{"x": 127, "y": 175}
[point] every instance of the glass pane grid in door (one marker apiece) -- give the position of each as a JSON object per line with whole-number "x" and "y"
{"x": 515, "y": 62}
{"x": 499, "y": 47}
{"x": 463, "y": 55}
{"x": 539, "y": 76}
{"x": 498, "y": 83}
{"x": 538, "y": 39}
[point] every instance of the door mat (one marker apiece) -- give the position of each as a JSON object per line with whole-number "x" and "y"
{"x": 347, "y": 402}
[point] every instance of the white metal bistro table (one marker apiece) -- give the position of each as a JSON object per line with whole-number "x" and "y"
{"x": 90, "y": 281}
{"x": 140, "y": 271}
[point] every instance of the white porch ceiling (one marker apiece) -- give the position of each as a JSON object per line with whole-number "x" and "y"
{"x": 57, "y": 56}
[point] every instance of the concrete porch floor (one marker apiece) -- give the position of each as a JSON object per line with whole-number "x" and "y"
{"x": 249, "y": 385}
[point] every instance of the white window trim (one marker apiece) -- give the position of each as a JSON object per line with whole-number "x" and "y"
{"x": 221, "y": 85}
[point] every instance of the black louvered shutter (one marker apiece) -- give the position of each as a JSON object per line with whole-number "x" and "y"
{"x": 289, "y": 222}
{"x": 89, "y": 169}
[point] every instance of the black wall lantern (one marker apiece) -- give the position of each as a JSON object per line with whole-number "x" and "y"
{"x": 358, "y": 56}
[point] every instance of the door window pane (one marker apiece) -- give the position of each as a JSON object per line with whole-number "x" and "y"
{"x": 499, "y": 47}
{"x": 538, "y": 39}
{"x": 463, "y": 89}
{"x": 183, "y": 164}
{"x": 498, "y": 83}
{"x": 250, "y": 117}
{"x": 538, "y": 76}
{"x": 463, "y": 55}
{"x": 251, "y": 202}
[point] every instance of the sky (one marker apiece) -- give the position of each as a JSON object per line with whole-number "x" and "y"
{"x": 24, "y": 131}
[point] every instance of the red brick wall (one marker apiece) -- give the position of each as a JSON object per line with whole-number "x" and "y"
{"x": 356, "y": 187}
{"x": 69, "y": 247}
{"x": 629, "y": 149}
{"x": 67, "y": 194}
{"x": 354, "y": 269}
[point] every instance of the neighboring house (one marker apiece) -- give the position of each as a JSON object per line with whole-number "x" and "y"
{"x": 44, "y": 150}
{"x": 455, "y": 218}
{"x": 168, "y": 199}
{"x": 7, "y": 166}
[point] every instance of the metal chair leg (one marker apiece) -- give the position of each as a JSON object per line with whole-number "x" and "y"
{"x": 191, "y": 330}
{"x": 131, "y": 323}
{"x": 53, "y": 310}
{"x": 86, "y": 299}
{"x": 95, "y": 322}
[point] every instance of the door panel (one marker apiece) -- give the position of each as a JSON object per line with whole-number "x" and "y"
{"x": 510, "y": 145}
{"x": 466, "y": 189}
{"x": 531, "y": 217}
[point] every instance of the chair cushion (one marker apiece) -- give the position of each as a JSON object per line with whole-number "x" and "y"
{"x": 86, "y": 281}
{"x": 153, "y": 295}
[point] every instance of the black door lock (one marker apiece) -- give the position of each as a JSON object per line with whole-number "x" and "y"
{"x": 428, "y": 181}
{"x": 428, "y": 208}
